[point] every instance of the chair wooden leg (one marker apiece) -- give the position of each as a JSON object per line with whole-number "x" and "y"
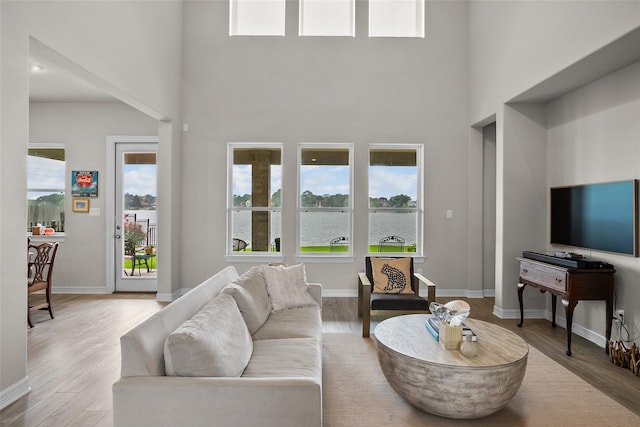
{"x": 366, "y": 323}
{"x": 49, "y": 305}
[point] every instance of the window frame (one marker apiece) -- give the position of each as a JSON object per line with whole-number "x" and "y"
{"x": 234, "y": 23}
{"x": 323, "y": 33}
{"x": 419, "y": 209}
{"x": 420, "y": 17}
{"x": 309, "y": 256}
{"x": 236, "y": 256}
{"x": 59, "y": 235}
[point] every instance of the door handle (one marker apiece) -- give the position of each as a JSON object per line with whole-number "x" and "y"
{"x": 117, "y": 236}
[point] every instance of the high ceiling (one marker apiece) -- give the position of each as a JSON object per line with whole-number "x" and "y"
{"x": 52, "y": 83}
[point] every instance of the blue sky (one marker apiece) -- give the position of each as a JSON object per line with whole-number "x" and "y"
{"x": 140, "y": 179}
{"x": 48, "y": 174}
{"x": 385, "y": 181}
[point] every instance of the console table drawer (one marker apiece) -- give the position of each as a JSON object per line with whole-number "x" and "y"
{"x": 550, "y": 277}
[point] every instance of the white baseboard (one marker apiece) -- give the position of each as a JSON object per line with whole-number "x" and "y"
{"x": 339, "y": 293}
{"x": 14, "y": 392}
{"x": 165, "y": 297}
{"x": 93, "y": 290}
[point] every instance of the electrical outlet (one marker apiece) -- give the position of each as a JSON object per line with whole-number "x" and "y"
{"x": 620, "y": 316}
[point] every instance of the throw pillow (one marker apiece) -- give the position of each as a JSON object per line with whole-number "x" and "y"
{"x": 250, "y": 293}
{"x": 391, "y": 275}
{"x": 215, "y": 342}
{"x": 287, "y": 287}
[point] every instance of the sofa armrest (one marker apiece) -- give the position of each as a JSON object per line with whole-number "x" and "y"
{"x": 424, "y": 282}
{"x": 315, "y": 289}
{"x": 199, "y": 401}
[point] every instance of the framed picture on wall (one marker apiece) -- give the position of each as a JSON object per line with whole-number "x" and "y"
{"x": 80, "y": 205}
{"x": 84, "y": 184}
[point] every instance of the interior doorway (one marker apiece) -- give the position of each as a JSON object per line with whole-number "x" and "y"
{"x": 135, "y": 215}
{"x": 489, "y": 209}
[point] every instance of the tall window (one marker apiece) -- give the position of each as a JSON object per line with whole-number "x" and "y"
{"x": 327, "y": 18}
{"x": 395, "y": 198}
{"x": 254, "y": 202}
{"x": 256, "y": 17}
{"x": 324, "y": 204}
{"x": 396, "y": 18}
{"x": 45, "y": 187}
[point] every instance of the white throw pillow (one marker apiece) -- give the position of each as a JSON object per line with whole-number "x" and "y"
{"x": 250, "y": 293}
{"x": 215, "y": 342}
{"x": 287, "y": 287}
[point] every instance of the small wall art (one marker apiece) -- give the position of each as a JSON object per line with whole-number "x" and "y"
{"x": 80, "y": 205}
{"x": 84, "y": 184}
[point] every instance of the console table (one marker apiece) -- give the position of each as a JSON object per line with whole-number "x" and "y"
{"x": 570, "y": 284}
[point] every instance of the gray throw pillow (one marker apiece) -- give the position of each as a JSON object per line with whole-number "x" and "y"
{"x": 250, "y": 292}
{"x": 287, "y": 287}
{"x": 215, "y": 342}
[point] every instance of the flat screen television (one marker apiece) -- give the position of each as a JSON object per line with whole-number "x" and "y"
{"x": 596, "y": 216}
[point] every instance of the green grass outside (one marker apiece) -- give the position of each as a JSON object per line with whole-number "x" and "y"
{"x": 150, "y": 261}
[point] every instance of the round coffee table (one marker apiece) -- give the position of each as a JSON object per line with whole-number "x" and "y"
{"x": 444, "y": 382}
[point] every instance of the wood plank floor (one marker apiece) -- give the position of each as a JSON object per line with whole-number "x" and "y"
{"x": 74, "y": 359}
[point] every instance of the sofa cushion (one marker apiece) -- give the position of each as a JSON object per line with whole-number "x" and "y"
{"x": 391, "y": 275}
{"x": 214, "y": 342}
{"x": 250, "y": 292}
{"x": 292, "y": 357}
{"x": 287, "y": 287}
{"x": 293, "y": 323}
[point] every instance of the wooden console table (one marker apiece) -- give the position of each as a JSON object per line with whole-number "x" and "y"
{"x": 570, "y": 284}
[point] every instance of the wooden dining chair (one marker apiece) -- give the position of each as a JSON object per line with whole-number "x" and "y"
{"x": 40, "y": 259}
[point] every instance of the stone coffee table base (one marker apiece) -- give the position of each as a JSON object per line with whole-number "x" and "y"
{"x": 443, "y": 382}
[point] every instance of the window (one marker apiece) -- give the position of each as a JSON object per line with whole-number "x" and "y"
{"x": 324, "y": 204}
{"x": 396, "y": 18}
{"x": 256, "y": 17}
{"x": 327, "y": 18}
{"x": 254, "y": 201}
{"x": 45, "y": 187}
{"x": 395, "y": 198}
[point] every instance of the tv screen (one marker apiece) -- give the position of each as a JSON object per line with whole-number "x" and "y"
{"x": 596, "y": 216}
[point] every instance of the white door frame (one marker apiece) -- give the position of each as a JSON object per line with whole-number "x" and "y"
{"x": 112, "y": 140}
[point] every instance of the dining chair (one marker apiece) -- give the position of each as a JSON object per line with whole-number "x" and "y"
{"x": 40, "y": 259}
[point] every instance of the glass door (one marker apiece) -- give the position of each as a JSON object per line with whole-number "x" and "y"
{"x": 136, "y": 219}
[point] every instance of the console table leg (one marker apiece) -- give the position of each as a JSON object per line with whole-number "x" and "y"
{"x": 553, "y": 310}
{"x": 520, "y": 290}
{"x": 569, "y": 306}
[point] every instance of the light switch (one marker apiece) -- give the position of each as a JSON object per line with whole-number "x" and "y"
{"x": 449, "y": 214}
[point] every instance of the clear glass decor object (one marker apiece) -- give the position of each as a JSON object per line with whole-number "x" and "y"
{"x": 453, "y": 312}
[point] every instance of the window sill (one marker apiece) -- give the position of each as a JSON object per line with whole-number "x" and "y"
{"x": 255, "y": 258}
{"x": 56, "y": 237}
{"x": 316, "y": 258}
{"x": 416, "y": 258}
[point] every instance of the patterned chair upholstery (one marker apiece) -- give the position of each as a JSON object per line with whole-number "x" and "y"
{"x": 377, "y": 304}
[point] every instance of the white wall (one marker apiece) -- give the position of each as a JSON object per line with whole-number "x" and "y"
{"x": 293, "y": 89}
{"x": 594, "y": 136}
{"x": 83, "y": 129}
{"x": 517, "y": 44}
{"x": 132, "y": 49}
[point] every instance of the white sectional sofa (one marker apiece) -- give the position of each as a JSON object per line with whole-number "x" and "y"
{"x": 233, "y": 351}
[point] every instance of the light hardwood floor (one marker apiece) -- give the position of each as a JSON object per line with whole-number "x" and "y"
{"x": 74, "y": 359}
